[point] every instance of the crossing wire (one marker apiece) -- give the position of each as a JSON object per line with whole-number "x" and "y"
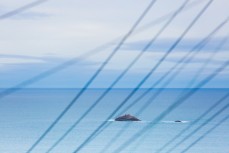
{"x": 168, "y": 15}
{"x": 189, "y": 6}
{"x": 94, "y": 76}
{"x": 175, "y": 74}
{"x": 203, "y": 67}
{"x": 206, "y": 133}
{"x": 75, "y": 60}
{"x": 196, "y": 120}
{"x": 199, "y": 46}
{"x": 203, "y": 124}
{"x": 185, "y": 59}
{"x": 21, "y": 9}
{"x": 51, "y": 71}
{"x": 120, "y": 76}
{"x": 146, "y": 77}
{"x": 217, "y": 103}
{"x": 177, "y": 103}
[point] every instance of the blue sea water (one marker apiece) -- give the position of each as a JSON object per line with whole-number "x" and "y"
{"x": 26, "y": 114}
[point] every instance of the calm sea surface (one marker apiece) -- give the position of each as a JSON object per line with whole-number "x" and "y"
{"x": 25, "y": 114}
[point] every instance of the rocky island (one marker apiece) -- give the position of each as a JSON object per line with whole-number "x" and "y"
{"x": 127, "y": 117}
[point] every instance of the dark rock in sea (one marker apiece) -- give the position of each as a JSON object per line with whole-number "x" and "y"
{"x": 178, "y": 121}
{"x": 127, "y": 117}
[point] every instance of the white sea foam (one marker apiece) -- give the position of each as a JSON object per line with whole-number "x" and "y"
{"x": 175, "y": 122}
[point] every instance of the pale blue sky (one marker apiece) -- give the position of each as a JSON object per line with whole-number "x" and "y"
{"x": 53, "y": 32}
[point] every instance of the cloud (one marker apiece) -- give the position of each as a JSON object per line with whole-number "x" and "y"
{"x": 149, "y": 59}
{"x": 7, "y": 59}
{"x": 18, "y": 56}
{"x": 25, "y": 15}
{"x": 31, "y": 16}
{"x": 19, "y": 61}
{"x": 185, "y": 45}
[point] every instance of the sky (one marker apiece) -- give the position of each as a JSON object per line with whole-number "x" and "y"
{"x": 53, "y": 32}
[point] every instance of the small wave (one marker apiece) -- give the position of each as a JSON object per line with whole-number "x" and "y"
{"x": 175, "y": 122}
{"x": 111, "y": 120}
{"x": 144, "y": 121}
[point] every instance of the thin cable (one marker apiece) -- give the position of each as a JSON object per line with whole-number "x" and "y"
{"x": 146, "y": 77}
{"x": 199, "y": 46}
{"x": 184, "y": 59}
{"x": 119, "y": 77}
{"x": 158, "y": 92}
{"x": 205, "y": 134}
{"x": 196, "y": 120}
{"x": 52, "y": 71}
{"x": 177, "y": 103}
{"x": 202, "y": 125}
{"x": 189, "y": 6}
{"x": 179, "y": 62}
{"x": 70, "y": 62}
{"x": 208, "y": 60}
{"x": 164, "y": 76}
{"x": 21, "y": 9}
{"x": 94, "y": 76}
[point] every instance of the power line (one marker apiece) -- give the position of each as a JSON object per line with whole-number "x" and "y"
{"x": 146, "y": 77}
{"x": 119, "y": 77}
{"x": 201, "y": 69}
{"x": 164, "y": 17}
{"x": 93, "y": 76}
{"x": 164, "y": 76}
{"x": 193, "y": 123}
{"x": 203, "y": 124}
{"x": 185, "y": 59}
{"x": 152, "y": 98}
{"x": 52, "y": 71}
{"x": 21, "y": 9}
{"x": 177, "y": 103}
{"x": 196, "y": 120}
{"x": 206, "y": 133}
{"x": 72, "y": 61}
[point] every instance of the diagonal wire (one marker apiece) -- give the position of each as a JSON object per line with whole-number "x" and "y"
{"x": 60, "y": 67}
{"x": 119, "y": 77}
{"x": 198, "y": 46}
{"x": 177, "y": 103}
{"x": 185, "y": 59}
{"x": 158, "y": 92}
{"x": 217, "y": 103}
{"x": 94, "y": 76}
{"x": 21, "y": 9}
{"x": 175, "y": 66}
{"x": 168, "y": 15}
{"x": 203, "y": 67}
{"x": 206, "y": 133}
{"x": 51, "y": 71}
{"x": 164, "y": 17}
{"x": 203, "y": 124}
{"x": 176, "y": 73}
{"x": 146, "y": 77}
{"x": 196, "y": 120}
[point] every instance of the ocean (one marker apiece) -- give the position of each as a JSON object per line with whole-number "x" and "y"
{"x": 26, "y": 114}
